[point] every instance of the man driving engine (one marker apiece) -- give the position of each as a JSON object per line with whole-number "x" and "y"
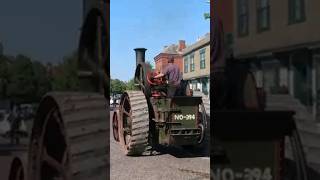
{"x": 173, "y": 75}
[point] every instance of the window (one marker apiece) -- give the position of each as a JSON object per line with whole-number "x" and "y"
{"x": 186, "y": 65}
{"x": 243, "y": 17}
{"x": 296, "y": 11}
{"x": 229, "y": 40}
{"x": 191, "y": 63}
{"x": 263, "y": 15}
{"x": 203, "y": 58}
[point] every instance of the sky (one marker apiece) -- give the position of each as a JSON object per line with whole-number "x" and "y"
{"x": 151, "y": 24}
{"x": 43, "y": 30}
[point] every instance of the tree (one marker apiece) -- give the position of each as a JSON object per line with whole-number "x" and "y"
{"x": 130, "y": 85}
{"x": 65, "y": 74}
{"x": 20, "y": 81}
{"x": 117, "y": 86}
{"x": 40, "y": 79}
{"x": 150, "y": 64}
{"x": 4, "y": 63}
{"x": 1, "y": 49}
{"x": 207, "y": 15}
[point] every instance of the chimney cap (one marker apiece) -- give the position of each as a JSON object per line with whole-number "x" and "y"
{"x": 137, "y": 49}
{"x": 181, "y": 45}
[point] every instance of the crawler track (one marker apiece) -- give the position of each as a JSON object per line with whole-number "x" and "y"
{"x": 69, "y": 138}
{"x": 134, "y": 122}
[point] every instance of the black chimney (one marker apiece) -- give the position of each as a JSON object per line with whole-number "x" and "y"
{"x": 140, "y": 55}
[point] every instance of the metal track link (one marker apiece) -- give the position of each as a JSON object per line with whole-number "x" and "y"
{"x": 72, "y": 130}
{"x": 137, "y": 142}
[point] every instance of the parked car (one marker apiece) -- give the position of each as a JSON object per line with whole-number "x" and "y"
{"x": 27, "y": 111}
{"x": 115, "y": 99}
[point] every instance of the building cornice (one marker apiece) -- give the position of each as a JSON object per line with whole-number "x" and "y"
{"x": 199, "y": 44}
{"x": 165, "y": 55}
{"x": 189, "y": 51}
{"x": 271, "y": 51}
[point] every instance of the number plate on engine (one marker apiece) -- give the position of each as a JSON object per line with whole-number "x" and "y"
{"x": 249, "y": 160}
{"x": 246, "y": 173}
{"x": 181, "y": 117}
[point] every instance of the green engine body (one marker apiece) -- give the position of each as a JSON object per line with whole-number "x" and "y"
{"x": 177, "y": 120}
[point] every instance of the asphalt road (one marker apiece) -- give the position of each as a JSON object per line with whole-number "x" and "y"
{"x": 172, "y": 163}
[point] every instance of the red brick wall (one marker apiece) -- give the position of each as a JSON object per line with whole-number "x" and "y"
{"x": 162, "y": 60}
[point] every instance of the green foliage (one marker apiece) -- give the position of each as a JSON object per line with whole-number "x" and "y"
{"x": 1, "y": 49}
{"x": 24, "y": 80}
{"x": 64, "y": 75}
{"x": 21, "y": 79}
{"x": 40, "y": 79}
{"x": 117, "y": 86}
{"x": 131, "y": 85}
{"x": 4, "y": 63}
{"x": 207, "y": 15}
{"x": 20, "y": 82}
{"x": 150, "y": 64}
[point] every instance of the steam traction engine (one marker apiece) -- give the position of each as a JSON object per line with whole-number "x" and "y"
{"x": 147, "y": 117}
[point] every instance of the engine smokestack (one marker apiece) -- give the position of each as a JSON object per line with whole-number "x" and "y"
{"x": 140, "y": 55}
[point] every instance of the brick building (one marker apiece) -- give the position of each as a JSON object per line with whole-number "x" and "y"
{"x": 174, "y": 50}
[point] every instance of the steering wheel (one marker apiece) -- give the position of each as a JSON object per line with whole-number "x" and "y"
{"x": 149, "y": 78}
{"x": 154, "y": 81}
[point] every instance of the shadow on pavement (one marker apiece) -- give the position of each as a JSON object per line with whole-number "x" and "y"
{"x": 183, "y": 152}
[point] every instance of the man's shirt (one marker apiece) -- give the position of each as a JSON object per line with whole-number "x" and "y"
{"x": 172, "y": 73}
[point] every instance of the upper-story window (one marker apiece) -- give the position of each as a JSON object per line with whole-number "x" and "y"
{"x": 203, "y": 58}
{"x": 191, "y": 58}
{"x": 296, "y": 11}
{"x": 263, "y": 15}
{"x": 186, "y": 64}
{"x": 243, "y": 17}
